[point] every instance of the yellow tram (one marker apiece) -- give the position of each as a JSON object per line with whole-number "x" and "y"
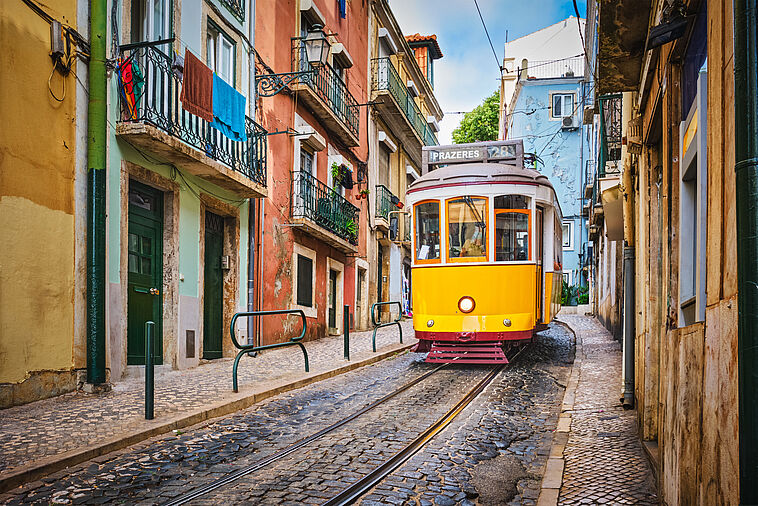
{"x": 487, "y": 251}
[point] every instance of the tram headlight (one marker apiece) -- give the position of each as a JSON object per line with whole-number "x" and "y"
{"x": 429, "y": 323}
{"x": 507, "y": 322}
{"x": 466, "y": 304}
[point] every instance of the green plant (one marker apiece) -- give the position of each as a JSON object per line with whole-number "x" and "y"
{"x": 365, "y": 191}
{"x": 583, "y": 295}
{"x": 336, "y": 172}
{"x": 351, "y": 228}
{"x": 568, "y": 294}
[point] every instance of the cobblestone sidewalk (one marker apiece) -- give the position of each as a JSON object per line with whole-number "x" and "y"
{"x": 40, "y": 432}
{"x": 603, "y": 459}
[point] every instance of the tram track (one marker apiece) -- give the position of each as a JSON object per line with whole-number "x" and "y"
{"x": 374, "y": 477}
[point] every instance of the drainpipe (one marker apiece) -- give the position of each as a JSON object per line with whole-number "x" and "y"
{"x": 746, "y": 169}
{"x": 96, "y": 177}
{"x": 251, "y": 208}
{"x": 629, "y": 306}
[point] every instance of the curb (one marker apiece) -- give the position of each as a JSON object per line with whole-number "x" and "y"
{"x": 236, "y": 402}
{"x": 553, "y": 477}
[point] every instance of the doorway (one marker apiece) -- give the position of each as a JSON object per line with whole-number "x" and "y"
{"x": 144, "y": 271}
{"x": 213, "y": 286}
{"x": 538, "y": 257}
{"x": 332, "y": 299}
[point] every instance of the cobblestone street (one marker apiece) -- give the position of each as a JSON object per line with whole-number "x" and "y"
{"x": 493, "y": 453}
{"x": 51, "y": 427}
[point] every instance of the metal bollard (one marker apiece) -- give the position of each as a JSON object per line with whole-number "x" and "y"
{"x": 149, "y": 371}
{"x": 346, "y": 329}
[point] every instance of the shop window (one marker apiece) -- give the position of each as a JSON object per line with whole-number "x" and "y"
{"x": 467, "y": 229}
{"x": 427, "y": 240}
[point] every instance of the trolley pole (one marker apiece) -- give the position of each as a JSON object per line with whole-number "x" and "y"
{"x": 346, "y": 329}
{"x": 149, "y": 372}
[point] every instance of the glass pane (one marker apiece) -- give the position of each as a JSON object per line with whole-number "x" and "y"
{"x": 467, "y": 227}
{"x": 147, "y": 246}
{"x": 427, "y": 231}
{"x": 226, "y": 60}
{"x": 557, "y": 103}
{"x": 134, "y": 243}
{"x": 141, "y": 200}
{"x": 511, "y": 237}
{"x": 568, "y": 105}
{"x": 133, "y": 263}
{"x": 511, "y": 202}
{"x": 146, "y": 266}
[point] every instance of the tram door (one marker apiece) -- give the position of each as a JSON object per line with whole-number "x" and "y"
{"x": 540, "y": 285}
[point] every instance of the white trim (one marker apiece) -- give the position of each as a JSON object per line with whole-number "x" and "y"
{"x": 574, "y": 107}
{"x": 412, "y": 87}
{"x": 385, "y": 34}
{"x": 334, "y": 265}
{"x": 410, "y": 170}
{"x": 383, "y": 137}
{"x": 341, "y": 56}
{"x": 570, "y": 245}
{"x": 432, "y": 122}
{"x": 309, "y": 10}
{"x": 298, "y": 249}
{"x": 312, "y": 138}
{"x": 361, "y": 312}
{"x": 570, "y": 276}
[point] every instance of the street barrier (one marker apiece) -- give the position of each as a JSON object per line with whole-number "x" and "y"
{"x": 250, "y": 348}
{"x": 346, "y": 329}
{"x": 378, "y": 325}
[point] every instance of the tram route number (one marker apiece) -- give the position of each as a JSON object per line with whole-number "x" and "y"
{"x": 508, "y": 151}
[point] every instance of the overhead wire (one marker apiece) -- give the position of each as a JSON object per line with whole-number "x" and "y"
{"x": 497, "y": 62}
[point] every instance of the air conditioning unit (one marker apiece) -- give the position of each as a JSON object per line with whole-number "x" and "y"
{"x": 569, "y": 122}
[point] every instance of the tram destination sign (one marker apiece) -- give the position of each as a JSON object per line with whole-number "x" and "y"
{"x": 511, "y": 152}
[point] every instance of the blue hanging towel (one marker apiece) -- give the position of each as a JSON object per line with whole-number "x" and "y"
{"x": 228, "y": 110}
{"x": 343, "y": 8}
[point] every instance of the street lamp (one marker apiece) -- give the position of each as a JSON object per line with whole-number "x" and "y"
{"x": 316, "y": 50}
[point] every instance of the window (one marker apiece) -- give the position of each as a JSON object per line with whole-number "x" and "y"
{"x": 567, "y": 227}
{"x": 304, "y": 281}
{"x": 511, "y": 236}
{"x": 567, "y": 277}
{"x": 512, "y": 228}
{"x": 467, "y": 229}
{"x": 427, "y": 216}
{"x": 307, "y": 162}
{"x": 562, "y": 105}
{"x": 220, "y": 53}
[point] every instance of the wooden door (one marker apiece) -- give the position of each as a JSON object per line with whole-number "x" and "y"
{"x": 332, "y": 302}
{"x": 144, "y": 271}
{"x": 213, "y": 289}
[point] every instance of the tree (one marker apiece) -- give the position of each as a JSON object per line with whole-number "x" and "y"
{"x": 481, "y": 124}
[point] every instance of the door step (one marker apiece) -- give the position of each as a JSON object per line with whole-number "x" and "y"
{"x": 488, "y": 353}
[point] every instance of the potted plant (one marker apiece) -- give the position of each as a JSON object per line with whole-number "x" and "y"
{"x": 342, "y": 176}
{"x": 351, "y": 228}
{"x": 363, "y": 194}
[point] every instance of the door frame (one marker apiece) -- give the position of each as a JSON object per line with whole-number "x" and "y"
{"x": 118, "y": 295}
{"x": 231, "y": 248}
{"x": 339, "y": 267}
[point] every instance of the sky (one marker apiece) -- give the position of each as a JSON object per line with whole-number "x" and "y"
{"x": 468, "y": 72}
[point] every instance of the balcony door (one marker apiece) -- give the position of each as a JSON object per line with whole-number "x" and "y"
{"x": 151, "y": 21}
{"x": 213, "y": 289}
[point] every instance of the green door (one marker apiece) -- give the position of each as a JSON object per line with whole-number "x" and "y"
{"x": 145, "y": 271}
{"x": 213, "y": 291}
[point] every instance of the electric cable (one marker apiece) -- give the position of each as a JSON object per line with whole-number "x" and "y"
{"x": 497, "y": 62}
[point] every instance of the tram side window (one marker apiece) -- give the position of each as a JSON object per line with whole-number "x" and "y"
{"x": 467, "y": 228}
{"x": 427, "y": 216}
{"x": 512, "y": 228}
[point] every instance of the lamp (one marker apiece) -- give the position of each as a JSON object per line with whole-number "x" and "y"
{"x": 316, "y": 49}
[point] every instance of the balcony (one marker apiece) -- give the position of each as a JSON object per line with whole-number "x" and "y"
{"x": 386, "y": 201}
{"x": 589, "y": 178}
{"x": 236, "y": 7}
{"x": 324, "y": 213}
{"x": 152, "y": 118}
{"x": 393, "y": 97}
{"x": 328, "y": 97}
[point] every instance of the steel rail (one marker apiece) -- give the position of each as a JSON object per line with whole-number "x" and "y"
{"x": 357, "y": 489}
{"x": 232, "y": 477}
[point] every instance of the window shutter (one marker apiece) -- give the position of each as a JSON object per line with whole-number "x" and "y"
{"x": 304, "y": 281}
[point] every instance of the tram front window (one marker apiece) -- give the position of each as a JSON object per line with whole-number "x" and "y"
{"x": 427, "y": 215}
{"x": 467, "y": 228}
{"x": 511, "y": 236}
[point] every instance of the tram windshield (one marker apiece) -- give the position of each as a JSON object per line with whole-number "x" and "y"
{"x": 511, "y": 228}
{"x": 467, "y": 228}
{"x": 427, "y": 215}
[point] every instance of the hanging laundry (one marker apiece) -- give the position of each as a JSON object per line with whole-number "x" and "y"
{"x": 343, "y": 8}
{"x": 197, "y": 87}
{"x": 130, "y": 84}
{"x": 228, "y": 110}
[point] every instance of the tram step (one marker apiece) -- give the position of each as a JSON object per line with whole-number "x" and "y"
{"x": 466, "y": 354}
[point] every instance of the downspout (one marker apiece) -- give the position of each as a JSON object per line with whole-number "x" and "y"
{"x": 629, "y": 306}
{"x": 746, "y": 169}
{"x": 96, "y": 188}
{"x": 251, "y": 208}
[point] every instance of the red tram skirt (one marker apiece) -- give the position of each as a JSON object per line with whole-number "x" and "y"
{"x": 469, "y": 347}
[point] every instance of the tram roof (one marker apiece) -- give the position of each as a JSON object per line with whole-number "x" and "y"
{"x": 479, "y": 173}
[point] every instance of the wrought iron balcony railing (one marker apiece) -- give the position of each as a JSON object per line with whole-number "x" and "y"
{"x": 386, "y": 78}
{"x": 610, "y": 135}
{"x": 384, "y": 202}
{"x": 329, "y": 87}
{"x": 151, "y": 95}
{"x": 236, "y": 7}
{"x": 315, "y": 201}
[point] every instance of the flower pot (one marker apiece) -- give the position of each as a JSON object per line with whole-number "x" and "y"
{"x": 400, "y": 205}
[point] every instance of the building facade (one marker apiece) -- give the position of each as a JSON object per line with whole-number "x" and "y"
{"x": 543, "y": 103}
{"x": 404, "y": 117}
{"x": 667, "y": 230}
